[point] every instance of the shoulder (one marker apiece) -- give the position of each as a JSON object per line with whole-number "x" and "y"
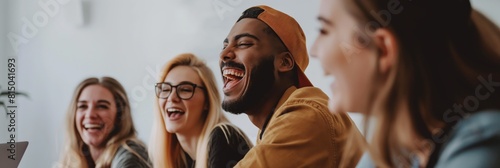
{"x": 308, "y": 95}
{"x": 482, "y": 121}
{"x": 475, "y": 142}
{"x": 132, "y": 154}
{"x": 224, "y": 127}
{"x": 227, "y": 145}
{"x": 305, "y": 114}
{"x": 228, "y": 133}
{"x": 135, "y": 146}
{"x": 482, "y": 125}
{"x": 305, "y": 101}
{"x": 310, "y": 105}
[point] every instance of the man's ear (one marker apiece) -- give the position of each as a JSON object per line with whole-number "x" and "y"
{"x": 284, "y": 62}
{"x": 388, "y": 50}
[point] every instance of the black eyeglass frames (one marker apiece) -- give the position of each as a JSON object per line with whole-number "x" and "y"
{"x": 185, "y": 91}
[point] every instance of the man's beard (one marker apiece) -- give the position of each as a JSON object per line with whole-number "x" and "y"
{"x": 262, "y": 81}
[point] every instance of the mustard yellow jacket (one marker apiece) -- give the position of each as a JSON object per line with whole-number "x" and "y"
{"x": 301, "y": 133}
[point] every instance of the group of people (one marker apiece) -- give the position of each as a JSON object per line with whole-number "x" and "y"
{"x": 425, "y": 74}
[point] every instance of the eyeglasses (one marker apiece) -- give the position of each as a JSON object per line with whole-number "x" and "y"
{"x": 184, "y": 90}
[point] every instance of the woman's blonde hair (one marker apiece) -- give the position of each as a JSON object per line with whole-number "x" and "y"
{"x": 75, "y": 151}
{"x": 446, "y": 49}
{"x": 164, "y": 147}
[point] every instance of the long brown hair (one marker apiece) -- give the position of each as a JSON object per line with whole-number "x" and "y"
{"x": 73, "y": 154}
{"x": 447, "y": 50}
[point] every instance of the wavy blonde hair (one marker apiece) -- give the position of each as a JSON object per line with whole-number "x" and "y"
{"x": 73, "y": 155}
{"x": 164, "y": 147}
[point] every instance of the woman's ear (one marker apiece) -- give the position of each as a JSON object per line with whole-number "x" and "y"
{"x": 284, "y": 62}
{"x": 388, "y": 49}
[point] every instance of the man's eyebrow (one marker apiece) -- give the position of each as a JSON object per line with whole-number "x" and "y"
{"x": 241, "y": 36}
{"x": 245, "y": 35}
{"x": 324, "y": 20}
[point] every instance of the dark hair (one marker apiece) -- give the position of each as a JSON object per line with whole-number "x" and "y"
{"x": 252, "y": 12}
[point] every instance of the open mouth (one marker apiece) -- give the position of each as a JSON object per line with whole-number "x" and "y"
{"x": 232, "y": 76}
{"x": 174, "y": 113}
{"x": 93, "y": 126}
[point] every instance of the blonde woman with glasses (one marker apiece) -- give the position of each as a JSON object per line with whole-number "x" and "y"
{"x": 189, "y": 128}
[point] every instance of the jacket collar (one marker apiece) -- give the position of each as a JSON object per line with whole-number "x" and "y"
{"x": 271, "y": 115}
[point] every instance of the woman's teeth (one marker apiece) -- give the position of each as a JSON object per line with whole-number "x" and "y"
{"x": 171, "y": 111}
{"x": 93, "y": 126}
{"x": 174, "y": 110}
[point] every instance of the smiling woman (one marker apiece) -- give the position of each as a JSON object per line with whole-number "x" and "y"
{"x": 189, "y": 127}
{"x": 100, "y": 130}
{"x": 425, "y": 74}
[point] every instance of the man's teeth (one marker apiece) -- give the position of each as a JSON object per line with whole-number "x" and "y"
{"x": 232, "y": 72}
{"x": 92, "y": 126}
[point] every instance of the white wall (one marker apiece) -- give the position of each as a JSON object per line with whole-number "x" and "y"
{"x": 3, "y": 71}
{"x": 128, "y": 40}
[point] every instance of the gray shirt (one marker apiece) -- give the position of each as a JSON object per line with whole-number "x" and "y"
{"x": 126, "y": 159}
{"x": 474, "y": 142}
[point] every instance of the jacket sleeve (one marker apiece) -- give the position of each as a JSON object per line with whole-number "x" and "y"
{"x": 301, "y": 136}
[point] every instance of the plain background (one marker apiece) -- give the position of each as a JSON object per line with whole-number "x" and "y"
{"x": 128, "y": 40}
